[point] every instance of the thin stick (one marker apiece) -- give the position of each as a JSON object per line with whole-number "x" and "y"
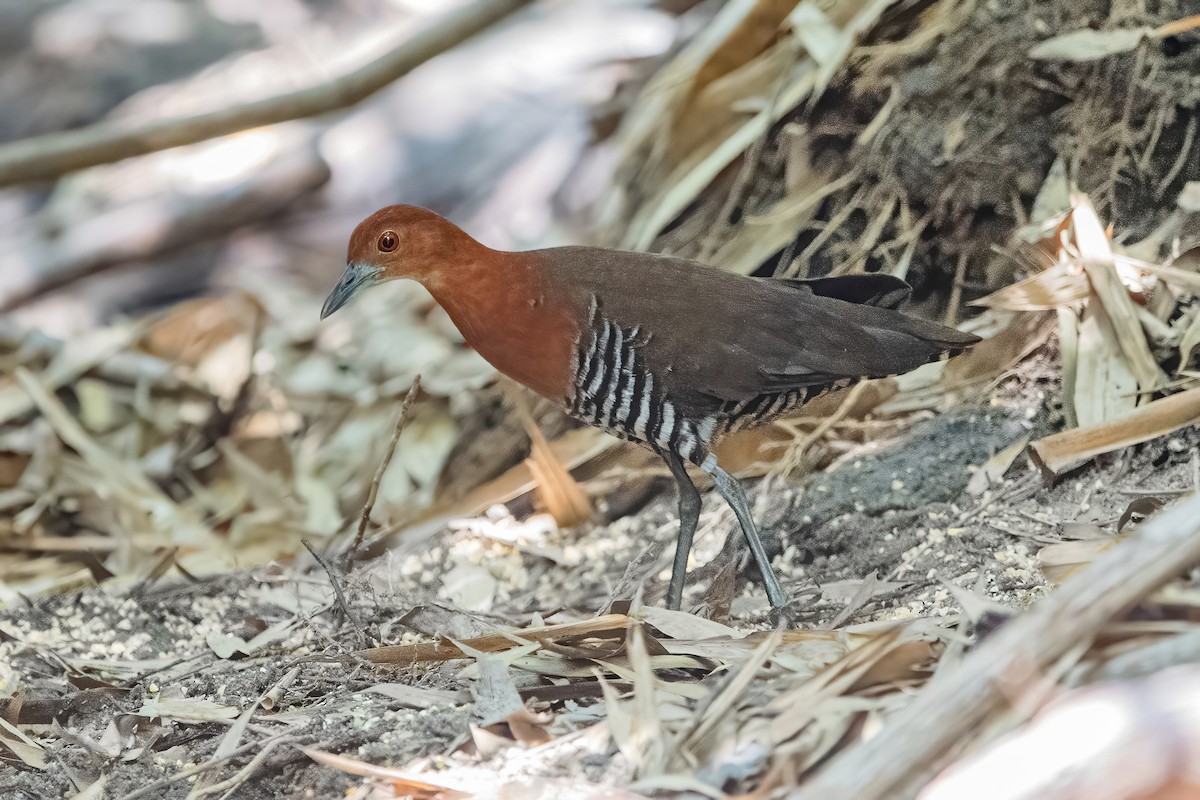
{"x": 956, "y": 292}
{"x": 401, "y": 424}
{"x": 56, "y": 154}
{"x": 231, "y": 784}
{"x": 162, "y": 783}
{"x": 336, "y": 582}
{"x": 917, "y": 739}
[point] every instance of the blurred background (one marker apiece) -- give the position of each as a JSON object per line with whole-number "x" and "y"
{"x": 487, "y": 134}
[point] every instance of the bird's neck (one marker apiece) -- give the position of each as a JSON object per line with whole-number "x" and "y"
{"x": 510, "y": 311}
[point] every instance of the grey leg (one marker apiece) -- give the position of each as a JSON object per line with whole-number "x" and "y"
{"x": 732, "y": 491}
{"x": 689, "y": 517}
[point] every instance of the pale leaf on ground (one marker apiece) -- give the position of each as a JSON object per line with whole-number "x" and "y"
{"x": 1088, "y": 44}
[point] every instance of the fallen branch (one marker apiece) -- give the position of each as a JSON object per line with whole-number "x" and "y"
{"x": 917, "y": 739}
{"x": 50, "y": 156}
{"x": 1062, "y": 452}
{"x": 159, "y": 221}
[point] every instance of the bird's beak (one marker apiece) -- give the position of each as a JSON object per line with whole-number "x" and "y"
{"x": 356, "y": 276}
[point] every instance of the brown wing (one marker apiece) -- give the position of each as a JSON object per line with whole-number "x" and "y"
{"x": 719, "y": 336}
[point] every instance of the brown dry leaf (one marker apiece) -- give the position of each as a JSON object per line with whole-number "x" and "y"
{"x": 399, "y": 779}
{"x": 1061, "y": 452}
{"x": 691, "y": 124}
{"x": 188, "y": 332}
{"x": 934, "y": 385}
{"x": 559, "y": 492}
{"x": 1139, "y": 510}
{"x": 755, "y": 451}
{"x": 573, "y": 449}
{"x": 755, "y": 27}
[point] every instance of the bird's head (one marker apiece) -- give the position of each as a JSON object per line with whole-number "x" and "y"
{"x": 398, "y": 242}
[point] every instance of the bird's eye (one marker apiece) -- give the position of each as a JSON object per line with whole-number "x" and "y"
{"x": 388, "y": 241}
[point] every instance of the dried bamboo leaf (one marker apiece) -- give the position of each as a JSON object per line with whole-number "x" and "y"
{"x": 1189, "y": 340}
{"x": 757, "y": 27}
{"x": 681, "y": 625}
{"x": 1105, "y": 386}
{"x": 187, "y": 709}
{"x": 561, "y": 494}
{"x": 400, "y": 779}
{"x": 70, "y": 362}
{"x": 127, "y": 484}
{"x": 709, "y": 716}
{"x": 759, "y": 236}
{"x": 710, "y": 131}
{"x": 701, "y": 165}
{"x": 24, "y": 748}
{"x": 1088, "y": 44}
{"x": 648, "y": 735}
{"x": 610, "y": 624}
{"x": 1064, "y": 451}
{"x": 1068, "y": 345}
{"x": 1061, "y": 285}
{"x": 1090, "y": 239}
{"x": 1060, "y": 561}
{"x": 673, "y": 83}
{"x": 573, "y": 449}
{"x": 992, "y": 471}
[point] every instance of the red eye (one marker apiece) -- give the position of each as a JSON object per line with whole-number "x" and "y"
{"x": 388, "y": 241}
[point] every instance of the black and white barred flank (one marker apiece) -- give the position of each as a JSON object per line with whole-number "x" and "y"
{"x": 616, "y": 392}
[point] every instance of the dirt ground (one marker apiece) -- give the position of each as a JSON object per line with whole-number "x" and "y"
{"x": 903, "y": 513}
{"x": 138, "y": 683}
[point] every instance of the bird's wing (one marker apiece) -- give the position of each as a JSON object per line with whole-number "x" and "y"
{"x": 723, "y": 336}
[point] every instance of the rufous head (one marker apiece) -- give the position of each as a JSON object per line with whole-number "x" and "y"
{"x": 398, "y": 242}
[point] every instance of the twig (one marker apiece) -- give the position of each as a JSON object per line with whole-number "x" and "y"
{"x": 336, "y": 582}
{"x": 242, "y": 775}
{"x": 956, "y": 292}
{"x": 941, "y": 718}
{"x": 401, "y": 423}
{"x": 162, "y": 783}
{"x": 55, "y": 154}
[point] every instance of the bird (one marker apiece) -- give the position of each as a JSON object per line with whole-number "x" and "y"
{"x": 665, "y": 352}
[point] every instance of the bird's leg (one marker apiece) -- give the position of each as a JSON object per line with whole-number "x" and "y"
{"x": 689, "y": 517}
{"x": 732, "y": 491}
